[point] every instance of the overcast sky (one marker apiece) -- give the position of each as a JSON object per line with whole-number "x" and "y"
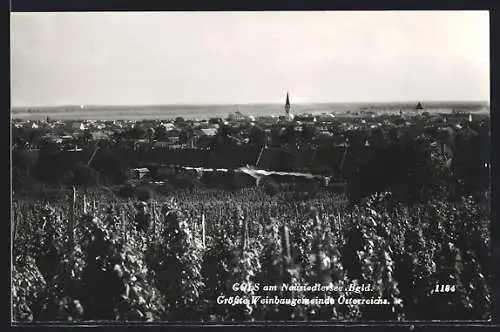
{"x": 248, "y": 57}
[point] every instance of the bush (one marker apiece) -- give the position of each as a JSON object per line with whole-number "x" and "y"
{"x": 144, "y": 193}
{"x": 217, "y": 180}
{"x": 82, "y": 175}
{"x": 165, "y": 189}
{"x": 22, "y": 167}
{"x": 306, "y": 190}
{"x": 127, "y": 191}
{"x": 270, "y": 187}
{"x": 184, "y": 182}
{"x": 407, "y": 167}
{"x": 48, "y": 167}
{"x": 111, "y": 165}
{"x": 337, "y": 187}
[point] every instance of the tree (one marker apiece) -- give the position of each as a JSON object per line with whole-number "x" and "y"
{"x": 48, "y": 168}
{"x": 221, "y": 140}
{"x": 160, "y": 133}
{"x": 306, "y": 189}
{"x": 29, "y": 136}
{"x": 276, "y": 137}
{"x": 468, "y": 162}
{"x": 185, "y": 135}
{"x": 22, "y": 168}
{"x": 377, "y": 138}
{"x": 127, "y": 191}
{"x": 258, "y": 137}
{"x": 87, "y": 136}
{"x": 134, "y": 133}
{"x": 82, "y": 175}
{"x": 308, "y": 133}
{"x": 394, "y": 135}
{"x": 144, "y": 193}
{"x": 116, "y": 136}
{"x": 407, "y": 167}
{"x": 334, "y": 128}
{"x": 150, "y": 133}
{"x": 111, "y": 165}
{"x": 289, "y": 135}
{"x": 223, "y": 131}
{"x": 179, "y": 121}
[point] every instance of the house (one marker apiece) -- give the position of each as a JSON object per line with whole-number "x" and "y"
{"x": 99, "y": 135}
{"x": 215, "y": 121}
{"x": 237, "y": 116}
{"x": 305, "y": 118}
{"x": 325, "y": 133}
{"x": 179, "y": 121}
{"x": 133, "y": 144}
{"x": 168, "y": 126}
{"x": 267, "y": 120}
{"x": 74, "y": 149}
{"x": 173, "y": 140}
{"x": 326, "y": 118}
{"x": 140, "y": 172}
{"x": 160, "y": 144}
{"x": 78, "y": 126}
{"x": 208, "y": 131}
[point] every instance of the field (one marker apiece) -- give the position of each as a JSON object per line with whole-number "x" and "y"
{"x": 203, "y": 111}
{"x": 87, "y": 259}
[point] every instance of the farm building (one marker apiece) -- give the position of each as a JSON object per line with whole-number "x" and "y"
{"x": 139, "y": 173}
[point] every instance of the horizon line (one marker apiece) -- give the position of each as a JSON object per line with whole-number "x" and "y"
{"x": 253, "y": 103}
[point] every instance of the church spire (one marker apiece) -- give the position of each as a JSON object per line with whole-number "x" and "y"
{"x": 287, "y": 104}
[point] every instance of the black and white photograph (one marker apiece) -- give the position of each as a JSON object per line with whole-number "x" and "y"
{"x": 250, "y": 166}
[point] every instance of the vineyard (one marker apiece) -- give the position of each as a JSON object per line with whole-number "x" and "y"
{"x": 171, "y": 258}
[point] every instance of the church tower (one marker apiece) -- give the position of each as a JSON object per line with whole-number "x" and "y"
{"x": 287, "y": 105}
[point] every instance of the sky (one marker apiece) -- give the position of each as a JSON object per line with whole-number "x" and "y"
{"x": 147, "y": 58}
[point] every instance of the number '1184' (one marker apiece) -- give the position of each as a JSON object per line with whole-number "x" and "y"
{"x": 445, "y": 288}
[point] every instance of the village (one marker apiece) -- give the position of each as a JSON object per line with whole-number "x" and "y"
{"x": 178, "y": 133}
{"x": 304, "y": 146}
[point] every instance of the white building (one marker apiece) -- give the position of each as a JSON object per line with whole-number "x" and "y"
{"x": 78, "y": 126}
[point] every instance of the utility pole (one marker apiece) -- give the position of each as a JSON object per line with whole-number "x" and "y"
{"x": 93, "y": 155}
{"x": 260, "y": 155}
{"x": 341, "y": 168}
